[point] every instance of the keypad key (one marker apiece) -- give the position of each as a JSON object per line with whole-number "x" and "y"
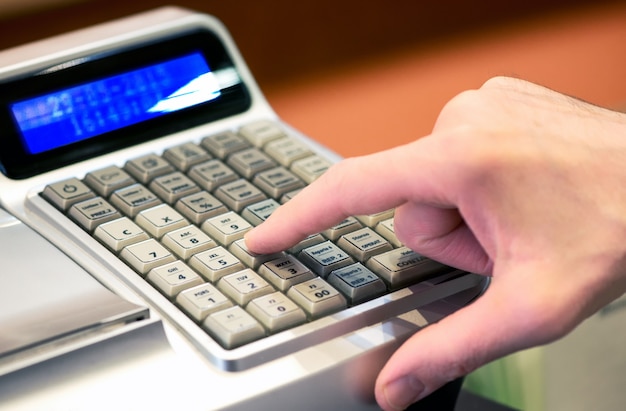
{"x": 276, "y": 312}
{"x": 402, "y": 267}
{"x": 91, "y": 213}
{"x": 202, "y": 300}
{"x": 185, "y": 155}
{"x": 287, "y": 150}
{"x": 385, "y": 228}
{"x": 261, "y": 132}
{"x": 119, "y": 233}
{"x": 259, "y": 212}
{"x": 133, "y": 199}
{"x": 250, "y": 161}
{"x": 285, "y": 272}
{"x": 200, "y": 206}
{"x": 357, "y": 283}
{"x": 146, "y": 255}
{"x": 212, "y": 174}
{"x": 224, "y": 144}
{"x": 187, "y": 241}
{"x": 108, "y": 179}
{"x": 317, "y": 298}
{"x": 278, "y": 181}
{"x": 310, "y": 168}
{"x": 147, "y": 167}
{"x": 233, "y": 327}
{"x": 215, "y": 263}
{"x": 324, "y": 258}
{"x": 174, "y": 186}
{"x": 244, "y": 286}
{"x": 239, "y": 194}
{"x": 348, "y": 225}
{"x": 363, "y": 244}
{"x": 172, "y": 278}
{"x": 226, "y": 228}
{"x": 371, "y": 220}
{"x": 66, "y": 193}
{"x": 252, "y": 260}
{"x": 160, "y": 220}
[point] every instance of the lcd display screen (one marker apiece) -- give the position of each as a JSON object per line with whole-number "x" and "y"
{"x": 79, "y": 112}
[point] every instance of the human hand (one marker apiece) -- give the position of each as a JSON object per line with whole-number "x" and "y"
{"x": 516, "y": 181}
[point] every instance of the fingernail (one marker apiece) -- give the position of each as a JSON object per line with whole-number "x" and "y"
{"x": 403, "y": 392}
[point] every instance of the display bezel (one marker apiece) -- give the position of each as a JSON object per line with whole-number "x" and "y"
{"x": 18, "y": 163}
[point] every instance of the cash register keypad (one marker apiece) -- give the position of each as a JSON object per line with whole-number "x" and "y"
{"x": 178, "y": 220}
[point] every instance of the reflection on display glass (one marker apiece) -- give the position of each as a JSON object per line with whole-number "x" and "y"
{"x": 83, "y": 111}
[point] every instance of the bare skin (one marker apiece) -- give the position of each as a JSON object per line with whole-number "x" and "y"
{"x": 516, "y": 182}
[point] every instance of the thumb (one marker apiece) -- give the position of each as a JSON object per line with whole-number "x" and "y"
{"x": 483, "y": 331}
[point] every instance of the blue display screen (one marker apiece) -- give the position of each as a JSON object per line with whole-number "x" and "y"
{"x": 80, "y": 112}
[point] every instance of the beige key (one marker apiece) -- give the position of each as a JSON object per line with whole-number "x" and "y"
{"x": 93, "y": 212}
{"x": 277, "y": 181}
{"x": 250, "y": 161}
{"x": 202, "y": 300}
{"x": 402, "y": 267}
{"x": 187, "y": 241}
{"x": 185, "y": 155}
{"x": 244, "y": 286}
{"x": 346, "y": 226}
{"x": 310, "y": 168}
{"x": 147, "y": 167}
{"x": 160, "y": 220}
{"x": 261, "y": 132}
{"x": 146, "y": 255}
{"x": 172, "y": 278}
{"x": 252, "y": 260}
{"x": 363, "y": 244}
{"x": 212, "y": 174}
{"x": 385, "y": 228}
{"x": 119, "y": 233}
{"x": 106, "y": 180}
{"x": 276, "y": 312}
{"x": 171, "y": 187}
{"x": 226, "y": 228}
{"x": 317, "y": 298}
{"x": 259, "y": 212}
{"x": 371, "y": 220}
{"x": 133, "y": 199}
{"x": 200, "y": 206}
{"x": 285, "y": 272}
{"x": 287, "y": 150}
{"x": 215, "y": 263}
{"x": 64, "y": 194}
{"x": 239, "y": 194}
{"x": 224, "y": 144}
{"x": 233, "y": 327}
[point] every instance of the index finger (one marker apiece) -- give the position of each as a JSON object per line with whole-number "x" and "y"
{"x": 355, "y": 186}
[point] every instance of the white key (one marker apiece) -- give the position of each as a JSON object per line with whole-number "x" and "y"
{"x": 276, "y": 312}
{"x": 187, "y": 241}
{"x": 119, "y": 233}
{"x": 252, "y": 260}
{"x": 310, "y": 168}
{"x": 244, "y": 286}
{"x": 261, "y": 132}
{"x": 285, "y": 272}
{"x": 64, "y": 194}
{"x": 215, "y": 263}
{"x": 226, "y": 228}
{"x": 363, "y": 244}
{"x": 173, "y": 278}
{"x": 317, "y": 297}
{"x": 202, "y": 300}
{"x": 233, "y": 327}
{"x": 287, "y": 150}
{"x": 160, "y": 219}
{"x": 93, "y": 212}
{"x": 108, "y": 179}
{"x": 146, "y": 255}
